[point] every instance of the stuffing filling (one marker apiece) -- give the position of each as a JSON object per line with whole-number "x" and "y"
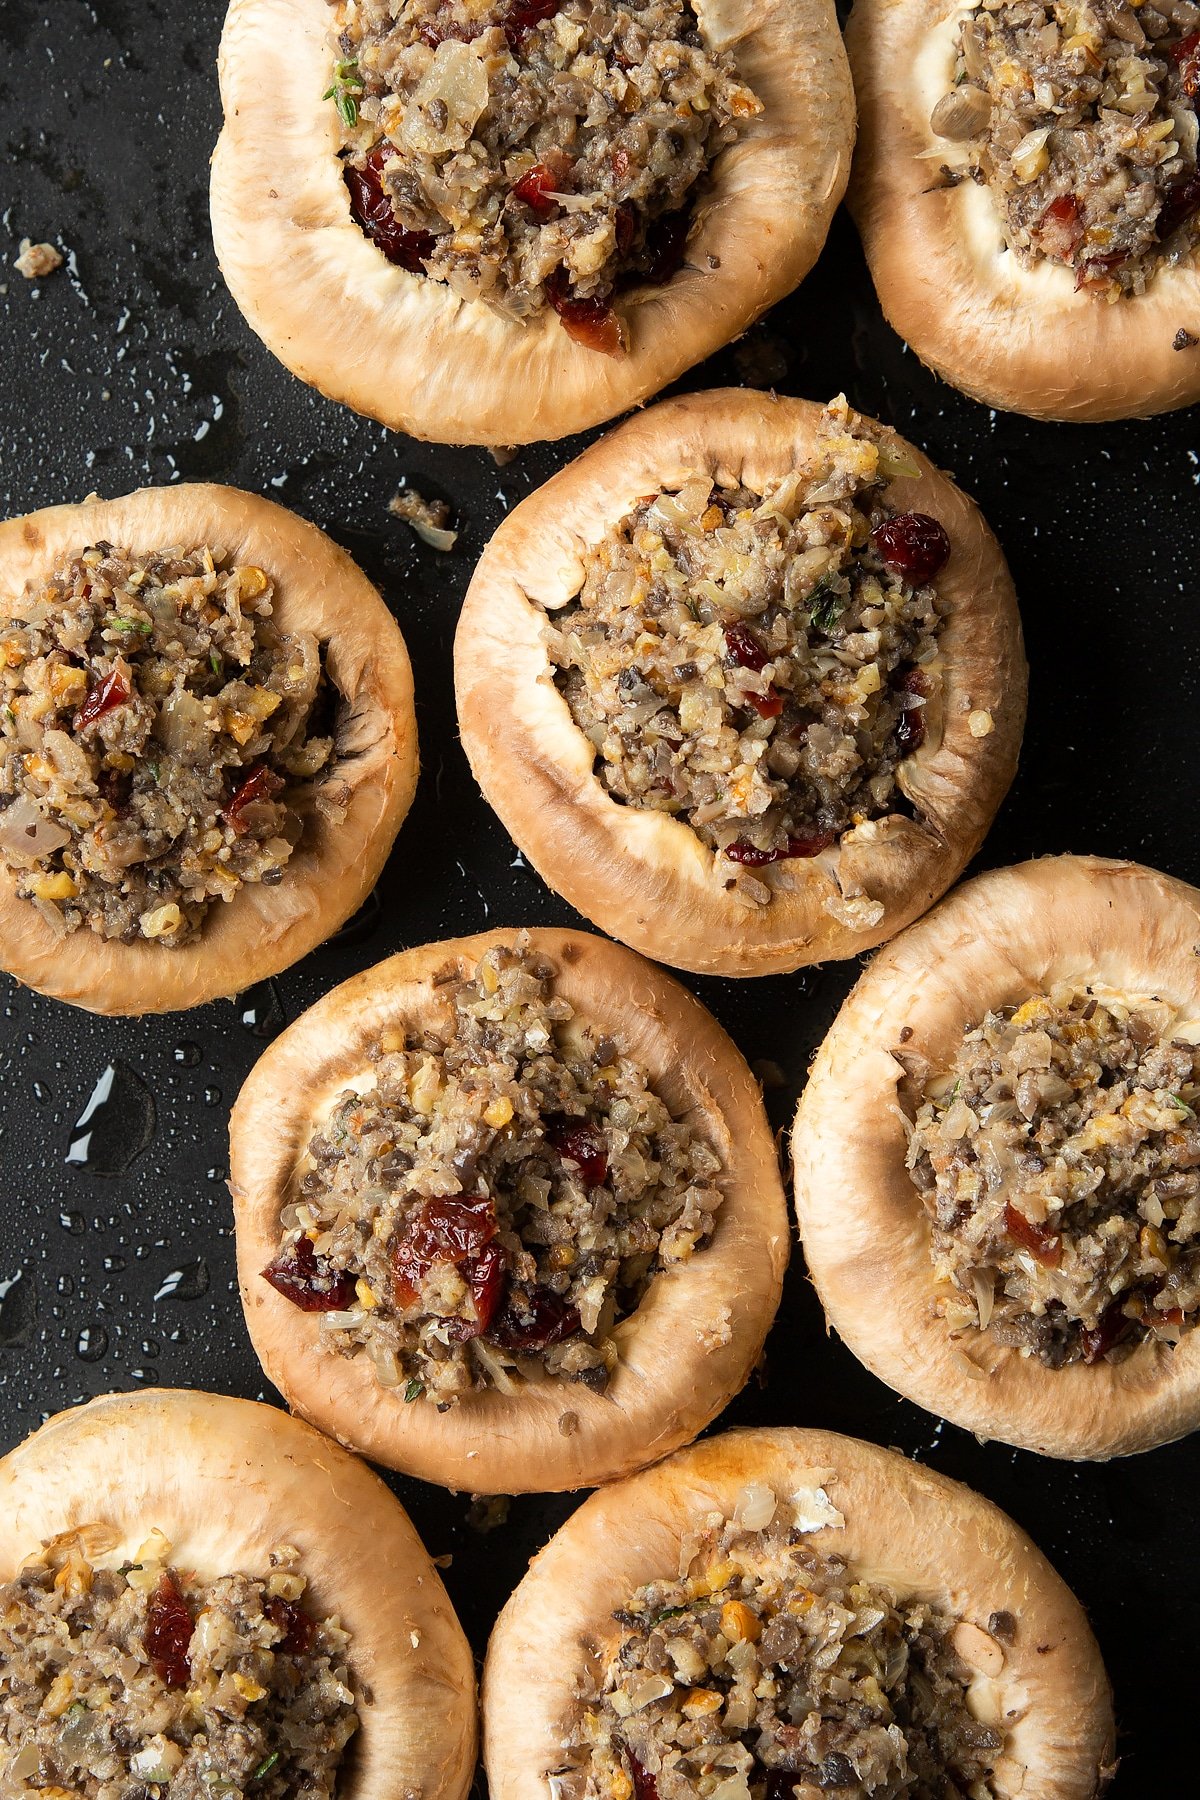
{"x": 759, "y": 665}
{"x": 1059, "y": 1160}
{"x": 532, "y": 153}
{"x": 1080, "y": 116}
{"x": 500, "y": 1194}
{"x": 771, "y": 1671}
{"x": 159, "y": 740}
{"x": 123, "y": 1683}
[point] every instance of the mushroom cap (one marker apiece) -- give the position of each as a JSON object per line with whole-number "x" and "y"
{"x": 1012, "y": 336}
{"x": 648, "y": 878}
{"x": 684, "y": 1352}
{"x": 903, "y": 1525}
{"x": 407, "y": 350}
{"x": 227, "y": 1481}
{"x": 994, "y": 942}
{"x": 264, "y": 928}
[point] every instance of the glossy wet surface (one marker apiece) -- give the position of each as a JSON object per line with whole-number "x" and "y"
{"x": 132, "y": 365}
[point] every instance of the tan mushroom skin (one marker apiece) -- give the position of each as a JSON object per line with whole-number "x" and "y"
{"x": 685, "y": 1351}
{"x": 407, "y": 350}
{"x": 226, "y": 1481}
{"x": 1012, "y": 336}
{"x": 995, "y": 942}
{"x": 903, "y": 1525}
{"x": 264, "y": 928}
{"x": 643, "y": 876}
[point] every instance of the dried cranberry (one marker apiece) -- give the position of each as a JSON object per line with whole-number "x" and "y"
{"x": 520, "y": 17}
{"x": 581, "y": 1144}
{"x": 308, "y": 1281}
{"x": 1099, "y": 1339}
{"x": 592, "y": 323}
{"x": 912, "y": 545}
{"x": 299, "y": 1628}
{"x": 768, "y": 705}
{"x": 1186, "y": 54}
{"x": 1097, "y": 271}
{"x": 484, "y": 1275}
{"x": 168, "y": 1633}
{"x": 1045, "y": 1245}
{"x": 1060, "y": 228}
{"x": 373, "y": 211}
{"x": 1181, "y": 202}
{"x": 625, "y": 226}
{"x": 533, "y": 1319}
{"x": 644, "y": 1785}
{"x": 620, "y": 162}
{"x": 262, "y": 784}
{"x": 537, "y": 188}
{"x": 445, "y": 1230}
{"x": 803, "y": 845}
{"x": 1172, "y": 1316}
{"x": 112, "y": 692}
{"x": 910, "y": 726}
{"x": 744, "y": 648}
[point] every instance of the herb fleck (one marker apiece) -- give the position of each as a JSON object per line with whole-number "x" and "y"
{"x": 346, "y": 90}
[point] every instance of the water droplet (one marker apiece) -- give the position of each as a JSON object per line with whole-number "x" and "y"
{"x": 187, "y": 1283}
{"x": 116, "y": 1125}
{"x": 364, "y": 924}
{"x": 18, "y": 1306}
{"x": 41, "y": 1093}
{"x": 212, "y": 1096}
{"x": 72, "y": 1222}
{"x": 114, "y": 1264}
{"x": 91, "y": 1343}
{"x": 66, "y": 1284}
{"x": 147, "y": 1375}
{"x": 262, "y": 1011}
{"x": 149, "y": 1347}
{"x": 216, "y": 1174}
{"x": 188, "y": 1054}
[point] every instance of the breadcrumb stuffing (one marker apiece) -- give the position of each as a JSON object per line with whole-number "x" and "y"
{"x": 35, "y": 261}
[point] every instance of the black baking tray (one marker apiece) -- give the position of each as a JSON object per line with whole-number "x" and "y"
{"x": 131, "y": 366}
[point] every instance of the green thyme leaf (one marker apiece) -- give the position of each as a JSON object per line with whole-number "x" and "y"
{"x": 413, "y": 1391}
{"x": 142, "y": 626}
{"x": 668, "y": 1612}
{"x": 10, "y": 715}
{"x": 265, "y": 1766}
{"x": 345, "y": 90}
{"x": 1183, "y": 1106}
{"x": 214, "y": 662}
{"x": 826, "y": 604}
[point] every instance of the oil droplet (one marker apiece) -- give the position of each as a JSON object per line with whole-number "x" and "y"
{"x": 91, "y": 1343}
{"x": 147, "y": 1375}
{"x": 114, "y": 1264}
{"x": 212, "y": 1096}
{"x": 18, "y": 1305}
{"x": 187, "y": 1054}
{"x": 149, "y": 1347}
{"x": 41, "y": 1093}
{"x": 116, "y": 1125}
{"x": 262, "y": 1010}
{"x": 72, "y": 1222}
{"x": 66, "y": 1284}
{"x": 187, "y": 1283}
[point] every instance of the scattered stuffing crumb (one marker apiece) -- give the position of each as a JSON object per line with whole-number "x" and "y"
{"x": 37, "y": 260}
{"x": 488, "y": 1511}
{"x": 427, "y": 517}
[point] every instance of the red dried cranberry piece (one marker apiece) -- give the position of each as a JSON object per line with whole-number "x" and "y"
{"x": 308, "y": 1281}
{"x": 744, "y": 648}
{"x": 625, "y": 226}
{"x": 533, "y": 1319}
{"x": 445, "y": 1230}
{"x": 804, "y": 845}
{"x": 644, "y": 1785}
{"x": 1181, "y": 202}
{"x": 536, "y": 188}
{"x": 1099, "y": 1339}
{"x": 262, "y": 784}
{"x": 581, "y": 1144}
{"x": 1186, "y": 54}
{"x": 592, "y": 323}
{"x": 768, "y": 705}
{"x": 373, "y": 211}
{"x": 168, "y": 1633}
{"x": 299, "y": 1628}
{"x": 1060, "y": 228}
{"x": 520, "y": 17}
{"x": 912, "y": 545}
{"x": 910, "y": 726}
{"x": 620, "y": 162}
{"x": 485, "y": 1276}
{"x": 112, "y": 692}
{"x": 1045, "y": 1245}
{"x": 1098, "y": 270}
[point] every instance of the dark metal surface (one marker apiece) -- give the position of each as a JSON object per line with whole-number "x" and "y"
{"x": 132, "y": 366}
